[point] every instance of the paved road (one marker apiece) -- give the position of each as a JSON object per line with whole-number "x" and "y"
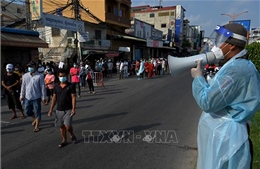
{"x": 129, "y": 124}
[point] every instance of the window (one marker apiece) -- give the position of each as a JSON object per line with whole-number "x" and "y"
{"x": 163, "y": 25}
{"x": 19, "y": 10}
{"x": 151, "y": 15}
{"x": 97, "y": 34}
{"x": 121, "y": 14}
{"x": 55, "y": 31}
{"x": 109, "y": 9}
{"x": 163, "y": 14}
{"x": 3, "y": 8}
{"x": 115, "y": 11}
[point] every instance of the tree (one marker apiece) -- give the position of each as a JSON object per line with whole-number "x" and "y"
{"x": 185, "y": 46}
{"x": 254, "y": 54}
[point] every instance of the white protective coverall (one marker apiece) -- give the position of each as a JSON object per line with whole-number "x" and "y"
{"x": 230, "y": 99}
{"x": 141, "y": 68}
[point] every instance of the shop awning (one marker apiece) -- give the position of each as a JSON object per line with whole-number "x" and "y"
{"x": 21, "y": 40}
{"x": 113, "y": 54}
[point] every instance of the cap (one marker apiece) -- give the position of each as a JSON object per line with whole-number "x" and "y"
{"x": 9, "y": 66}
{"x": 31, "y": 63}
{"x": 239, "y": 30}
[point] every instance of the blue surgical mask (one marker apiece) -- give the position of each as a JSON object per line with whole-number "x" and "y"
{"x": 63, "y": 79}
{"x": 30, "y": 69}
{"x": 75, "y": 65}
{"x": 49, "y": 72}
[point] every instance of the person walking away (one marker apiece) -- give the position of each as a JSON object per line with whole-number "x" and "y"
{"x": 118, "y": 67}
{"x": 228, "y": 101}
{"x": 82, "y": 75}
{"x": 74, "y": 72}
{"x": 11, "y": 83}
{"x": 90, "y": 75}
{"x": 64, "y": 94}
{"x": 109, "y": 68}
{"x": 33, "y": 91}
{"x": 49, "y": 84}
{"x": 163, "y": 66}
{"x": 121, "y": 70}
{"x": 141, "y": 70}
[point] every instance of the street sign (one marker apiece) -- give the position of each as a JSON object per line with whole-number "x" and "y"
{"x": 62, "y": 23}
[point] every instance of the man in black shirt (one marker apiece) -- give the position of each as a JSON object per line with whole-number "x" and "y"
{"x": 64, "y": 93}
{"x": 11, "y": 82}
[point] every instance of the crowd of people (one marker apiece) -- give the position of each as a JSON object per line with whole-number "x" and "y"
{"x": 27, "y": 89}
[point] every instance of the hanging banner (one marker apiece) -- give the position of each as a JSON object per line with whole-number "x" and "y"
{"x": 36, "y": 9}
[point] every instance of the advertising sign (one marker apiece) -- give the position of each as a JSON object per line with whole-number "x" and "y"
{"x": 142, "y": 29}
{"x": 62, "y": 23}
{"x": 177, "y": 31}
{"x": 36, "y": 9}
{"x": 156, "y": 34}
{"x": 245, "y": 23}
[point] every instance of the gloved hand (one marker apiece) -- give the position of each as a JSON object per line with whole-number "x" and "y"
{"x": 196, "y": 71}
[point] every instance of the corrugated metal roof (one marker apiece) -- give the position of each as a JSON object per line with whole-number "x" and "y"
{"x": 20, "y": 31}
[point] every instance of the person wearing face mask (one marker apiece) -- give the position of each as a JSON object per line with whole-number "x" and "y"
{"x": 228, "y": 102}
{"x": 33, "y": 92}
{"x": 64, "y": 93}
{"x": 10, "y": 82}
{"x": 82, "y": 75}
{"x": 49, "y": 84}
{"x": 75, "y": 79}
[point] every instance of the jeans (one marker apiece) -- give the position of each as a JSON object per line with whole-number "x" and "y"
{"x": 33, "y": 105}
{"x": 83, "y": 80}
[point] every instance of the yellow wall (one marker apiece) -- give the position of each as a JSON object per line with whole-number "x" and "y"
{"x": 96, "y": 7}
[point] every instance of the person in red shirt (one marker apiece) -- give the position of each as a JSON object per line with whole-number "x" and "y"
{"x": 75, "y": 80}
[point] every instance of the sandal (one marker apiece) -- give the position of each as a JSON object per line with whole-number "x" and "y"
{"x": 62, "y": 144}
{"x": 13, "y": 117}
{"x": 36, "y": 130}
{"x": 22, "y": 117}
{"x": 74, "y": 139}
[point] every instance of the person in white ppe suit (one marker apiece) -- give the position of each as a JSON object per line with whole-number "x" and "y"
{"x": 228, "y": 102}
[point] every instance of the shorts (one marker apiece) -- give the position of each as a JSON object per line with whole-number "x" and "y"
{"x": 33, "y": 105}
{"x": 13, "y": 100}
{"x": 63, "y": 118}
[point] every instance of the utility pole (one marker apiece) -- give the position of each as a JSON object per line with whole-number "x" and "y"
{"x": 28, "y": 14}
{"x": 76, "y": 41}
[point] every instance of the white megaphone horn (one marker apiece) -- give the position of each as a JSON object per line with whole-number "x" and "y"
{"x": 177, "y": 64}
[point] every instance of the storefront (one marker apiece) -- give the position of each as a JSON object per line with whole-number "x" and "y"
{"x": 20, "y": 46}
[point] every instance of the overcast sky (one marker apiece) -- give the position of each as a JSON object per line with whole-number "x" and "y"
{"x": 207, "y": 13}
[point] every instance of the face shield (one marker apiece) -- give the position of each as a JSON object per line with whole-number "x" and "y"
{"x": 219, "y": 35}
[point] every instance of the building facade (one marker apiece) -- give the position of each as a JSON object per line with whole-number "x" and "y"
{"x": 101, "y": 24}
{"x": 12, "y": 13}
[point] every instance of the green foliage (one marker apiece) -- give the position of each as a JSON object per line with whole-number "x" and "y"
{"x": 255, "y": 135}
{"x": 254, "y": 54}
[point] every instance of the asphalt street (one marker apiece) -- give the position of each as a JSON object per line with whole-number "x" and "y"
{"x": 128, "y": 124}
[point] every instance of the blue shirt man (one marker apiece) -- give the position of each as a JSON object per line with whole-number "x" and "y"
{"x": 33, "y": 91}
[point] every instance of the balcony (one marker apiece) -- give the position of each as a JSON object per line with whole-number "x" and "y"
{"x": 117, "y": 20}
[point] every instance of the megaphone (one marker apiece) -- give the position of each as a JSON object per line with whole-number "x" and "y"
{"x": 177, "y": 64}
